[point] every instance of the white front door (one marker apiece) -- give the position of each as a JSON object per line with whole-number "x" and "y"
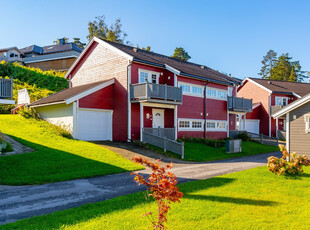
{"x": 158, "y": 118}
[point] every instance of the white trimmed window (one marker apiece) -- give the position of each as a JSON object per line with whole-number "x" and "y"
{"x": 216, "y": 125}
{"x": 307, "y": 122}
{"x": 211, "y": 124}
{"x": 190, "y": 124}
{"x": 216, "y": 93}
{"x": 148, "y": 76}
{"x": 281, "y": 101}
{"x": 191, "y": 89}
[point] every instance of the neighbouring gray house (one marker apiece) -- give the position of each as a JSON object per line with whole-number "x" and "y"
{"x": 297, "y": 115}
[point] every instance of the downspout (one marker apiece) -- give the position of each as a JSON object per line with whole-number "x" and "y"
{"x": 128, "y": 104}
{"x": 205, "y": 110}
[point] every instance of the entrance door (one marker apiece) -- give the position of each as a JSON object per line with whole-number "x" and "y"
{"x": 158, "y": 118}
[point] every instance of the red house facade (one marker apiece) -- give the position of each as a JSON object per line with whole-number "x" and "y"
{"x": 141, "y": 91}
{"x": 268, "y": 97}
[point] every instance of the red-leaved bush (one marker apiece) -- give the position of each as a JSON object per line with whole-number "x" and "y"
{"x": 162, "y": 187}
{"x": 288, "y": 164}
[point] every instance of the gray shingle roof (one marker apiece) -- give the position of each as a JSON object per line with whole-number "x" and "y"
{"x": 51, "y": 49}
{"x": 186, "y": 68}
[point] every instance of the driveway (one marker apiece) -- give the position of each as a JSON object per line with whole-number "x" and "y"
{"x": 19, "y": 202}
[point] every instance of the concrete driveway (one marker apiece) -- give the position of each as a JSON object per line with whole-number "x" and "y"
{"x": 19, "y": 202}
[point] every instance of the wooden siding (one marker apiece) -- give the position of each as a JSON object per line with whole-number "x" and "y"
{"x": 58, "y": 65}
{"x": 299, "y": 139}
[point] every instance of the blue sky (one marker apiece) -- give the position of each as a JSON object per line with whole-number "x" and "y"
{"x": 229, "y": 36}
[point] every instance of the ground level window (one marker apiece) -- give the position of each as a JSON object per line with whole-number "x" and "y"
{"x": 196, "y": 124}
{"x": 221, "y": 125}
{"x": 184, "y": 124}
{"x": 211, "y": 125}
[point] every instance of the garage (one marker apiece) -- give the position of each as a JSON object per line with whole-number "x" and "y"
{"x": 252, "y": 126}
{"x": 94, "y": 124}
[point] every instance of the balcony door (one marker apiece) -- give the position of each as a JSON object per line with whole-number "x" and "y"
{"x": 158, "y": 118}
{"x": 148, "y": 76}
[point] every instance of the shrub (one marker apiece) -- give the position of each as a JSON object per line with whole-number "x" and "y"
{"x": 4, "y": 146}
{"x": 243, "y": 136}
{"x": 162, "y": 187}
{"x": 216, "y": 143}
{"x": 62, "y": 129}
{"x": 288, "y": 164}
{"x": 28, "y": 112}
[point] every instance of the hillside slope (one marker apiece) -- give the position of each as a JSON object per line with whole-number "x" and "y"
{"x": 38, "y": 83}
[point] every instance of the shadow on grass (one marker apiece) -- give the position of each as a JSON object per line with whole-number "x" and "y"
{"x": 47, "y": 165}
{"x": 297, "y": 177}
{"x": 233, "y": 200}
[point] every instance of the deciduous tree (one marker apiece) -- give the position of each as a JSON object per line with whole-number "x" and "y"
{"x": 77, "y": 41}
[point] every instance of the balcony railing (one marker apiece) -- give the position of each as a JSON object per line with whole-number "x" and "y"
{"x": 11, "y": 59}
{"x": 239, "y": 104}
{"x": 148, "y": 91}
{"x": 6, "y": 88}
{"x": 161, "y": 132}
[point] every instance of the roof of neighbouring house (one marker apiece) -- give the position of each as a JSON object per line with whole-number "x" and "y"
{"x": 66, "y": 94}
{"x": 10, "y": 48}
{"x": 298, "y": 88}
{"x": 186, "y": 68}
{"x": 51, "y": 48}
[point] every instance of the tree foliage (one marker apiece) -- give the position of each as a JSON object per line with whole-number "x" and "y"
{"x": 77, "y": 41}
{"x": 57, "y": 41}
{"x": 281, "y": 68}
{"x": 181, "y": 54}
{"x": 162, "y": 187}
{"x": 100, "y": 29}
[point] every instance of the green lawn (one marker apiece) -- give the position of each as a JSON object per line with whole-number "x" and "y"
{"x": 251, "y": 199}
{"x": 56, "y": 158}
{"x": 202, "y": 152}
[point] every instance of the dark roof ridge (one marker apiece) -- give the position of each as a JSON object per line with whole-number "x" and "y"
{"x": 253, "y": 78}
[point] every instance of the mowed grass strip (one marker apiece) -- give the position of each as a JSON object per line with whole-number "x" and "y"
{"x": 202, "y": 152}
{"x": 56, "y": 158}
{"x": 251, "y": 199}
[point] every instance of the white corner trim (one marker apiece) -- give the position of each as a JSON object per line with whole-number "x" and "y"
{"x": 254, "y": 82}
{"x": 173, "y": 70}
{"x": 90, "y": 91}
{"x": 292, "y": 106}
{"x": 128, "y": 103}
{"x": 288, "y": 132}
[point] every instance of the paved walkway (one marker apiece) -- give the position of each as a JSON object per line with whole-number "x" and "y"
{"x": 19, "y": 202}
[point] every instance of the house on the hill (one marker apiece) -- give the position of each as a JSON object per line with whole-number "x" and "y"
{"x": 297, "y": 116}
{"x": 268, "y": 97}
{"x": 11, "y": 54}
{"x": 118, "y": 92}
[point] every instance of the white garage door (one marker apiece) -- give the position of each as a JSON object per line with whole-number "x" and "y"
{"x": 94, "y": 125}
{"x": 252, "y": 126}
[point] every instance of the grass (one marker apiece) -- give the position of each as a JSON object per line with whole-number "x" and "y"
{"x": 56, "y": 158}
{"x": 251, "y": 199}
{"x": 200, "y": 152}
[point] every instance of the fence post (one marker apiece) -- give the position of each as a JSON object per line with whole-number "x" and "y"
{"x": 182, "y": 150}
{"x": 261, "y": 138}
{"x": 11, "y": 88}
{"x": 165, "y": 144}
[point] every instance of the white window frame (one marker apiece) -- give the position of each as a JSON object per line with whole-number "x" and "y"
{"x": 191, "y": 93}
{"x": 307, "y": 123}
{"x": 216, "y": 129}
{"x": 190, "y": 128}
{"x": 149, "y": 75}
{"x": 281, "y": 98}
{"x": 217, "y": 92}
{"x": 229, "y": 91}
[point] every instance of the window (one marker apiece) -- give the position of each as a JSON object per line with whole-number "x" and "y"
{"x": 148, "y": 76}
{"x": 221, "y": 94}
{"x": 196, "y": 124}
{"x": 230, "y": 91}
{"x": 185, "y": 88}
{"x": 281, "y": 101}
{"x": 221, "y": 125}
{"x": 307, "y": 122}
{"x": 191, "y": 89}
{"x": 211, "y": 125}
{"x": 211, "y": 93}
{"x": 184, "y": 124}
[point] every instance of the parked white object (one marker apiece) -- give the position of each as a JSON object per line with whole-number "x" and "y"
{"x": 23, "y": 97}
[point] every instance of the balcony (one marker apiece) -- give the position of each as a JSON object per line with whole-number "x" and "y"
{"x": 239, "y": 104}
{"x": 6, "y": 88}
{"x": 158, "y": 93}
{"x": 11, "y": 59}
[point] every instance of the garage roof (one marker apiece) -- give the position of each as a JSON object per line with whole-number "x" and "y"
{"x": 72, "y": 94}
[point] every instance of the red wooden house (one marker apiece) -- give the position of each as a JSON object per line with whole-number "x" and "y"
{"x": 117, "y": 92}
{"x": 268, "y": 97}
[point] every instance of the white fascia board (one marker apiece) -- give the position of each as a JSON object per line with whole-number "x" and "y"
{"x": 173, "y": 70}
{"x": 90, "y": 91}
{"x": 7, "y": 102}
{"x": 79, "y": 58}
{"x": 109, "y": 46}
{"x": 254, "y": 82}
{"x": 296, "y": 95}
{"x": 292, "y": 106}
